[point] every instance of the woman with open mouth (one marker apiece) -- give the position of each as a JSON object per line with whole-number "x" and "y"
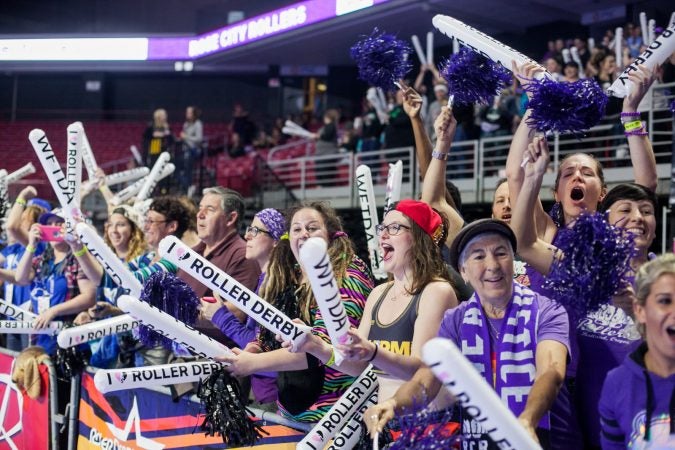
{"x": 637, "y": 405}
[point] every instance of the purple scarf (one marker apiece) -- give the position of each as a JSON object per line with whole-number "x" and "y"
{"x": 515, "y": 350}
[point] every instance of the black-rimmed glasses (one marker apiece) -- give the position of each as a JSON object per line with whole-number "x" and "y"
{"x": 253, "y": 231}
{"x": 392, "y": 229}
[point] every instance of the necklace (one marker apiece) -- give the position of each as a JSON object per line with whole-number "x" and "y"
{"x": 493, "y": 331}
{"x": 395, "y": 296}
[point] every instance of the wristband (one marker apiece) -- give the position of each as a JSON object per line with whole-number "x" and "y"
{"x": 81, "y": 251}
{"x": 439, "y": 155}
{"x": 20, "y": 201}
{"x": 634, "y": 125}
{"x": 30, "y": 248}
{"x": 331, "y": 360}
{"x": 377, "y": 347}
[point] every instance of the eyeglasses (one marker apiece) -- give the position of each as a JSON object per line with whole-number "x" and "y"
{"x": 392, "y": 229}
{"x": 253, "y": 231}
{"x": 152, "y": 222}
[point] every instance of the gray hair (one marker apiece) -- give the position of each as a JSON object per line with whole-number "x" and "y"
{"x": 230, "y": 200}
{"x": 463, "y": 255}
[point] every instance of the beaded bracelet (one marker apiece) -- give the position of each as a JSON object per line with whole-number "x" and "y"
{"x": 439, "y": 155}
{"x": 630, "y": 114}
{"x": 639, "y": 132}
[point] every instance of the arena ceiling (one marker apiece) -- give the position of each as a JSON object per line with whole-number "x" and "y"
{"x": 324, "y": 43}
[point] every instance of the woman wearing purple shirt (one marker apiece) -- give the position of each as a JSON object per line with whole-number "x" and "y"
{"x": 637, "y": 405}
{"x": 262, "y": 236}
{"x": 504, "y": 328}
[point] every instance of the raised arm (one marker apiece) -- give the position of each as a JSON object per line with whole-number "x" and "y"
{"x": 14, "y": 229}
{"x": 545, "y": 227}
{"x": 641, "y": 151}
{"x": 434, "y": 190}
{"x": 88, "y": 264}
{"x": 24, "y": 270}
{"x": 531, "y": 248}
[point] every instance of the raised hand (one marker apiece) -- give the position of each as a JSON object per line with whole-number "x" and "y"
{"x": 642, "y": 80}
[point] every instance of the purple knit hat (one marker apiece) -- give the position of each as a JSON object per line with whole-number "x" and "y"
{"x": 274, "y": 222}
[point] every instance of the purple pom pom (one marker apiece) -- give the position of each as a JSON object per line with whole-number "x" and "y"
{"x": 424, "y": 430}
{"x": 672, "y": 107}
{"x": 588, "y": 275}
{"x": 381, "y": 59}
{"x": 565, "y": 107}
{"x": 173, "y": 296}
{"x": 473, "y": 78}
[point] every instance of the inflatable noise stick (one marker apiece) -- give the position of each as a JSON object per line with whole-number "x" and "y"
{"x": 126, "y": 176}
{"x": 148, "y": 376}
{"x": 74, "y": 160}
{"x": 23, "y": 327}
{"x": 341, "y": 412}
{"x": 349, "y": 436}
{"x": 27, "y": 169}
{"x": 64, "y": 191}
{"x": 172, "y": 328}
{"x": 314, "y": 259}
{"x": 366, "y": 194}
{"x": 644, "y": 29}
{"x": 87, "y": 154}
{"x": 418, "y": 49}
{"x": 566, "y": 55}
{"x": 229, "y": 289}
{"x": 95, "y": 330}
{"x": 657, "y": 52}
{"x": 153, "y": 178}
{"x": 473, "y": 393}
{"x": 15, "y": 312}
{"x": 651, "y": 30}
{"x": 618, "y": 42}
{"x": 133, "y": 189}
{"x": 394, "y": 181}
{"x": 575, "y": 57}
{"x": 116, "y": 269}
{"x": 430, "y": 48}
{"x": 295, "y": 132}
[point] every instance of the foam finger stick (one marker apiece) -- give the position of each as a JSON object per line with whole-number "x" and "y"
{"x": 229, "y": 289}
{"x": 126, "y": 176}
{"x": 566, "y": 55}
{"x": 148, "y": 376}
{"x": 475, "y": 396}
{"x": 657, "y": 52}
{"x": 74, "y": 161}
{"x": 577, "y": 59}
{"x": 366, "y": 194}
{"x": 96, "y": 330}
{"x": 651, "y": 30}
{"x": 480, "y": 42}
{"x": 350, "y": 434}
{"x": 27, "y": 169}
{"x": 59, "y": 182}
{"x": 172, "y": 328}
{"x": 314, "y": 259}
{"x": 394, "y": 181}
{"x": 430, "y": 48}
{"x": 25, "y": 327}
{"x": 15, "y": 312}
{"x": 116, "y": 269}
{"x": 153, "y": 177}
{"x": 341, "y": 412}
{"x": 418, "y": 49}
{"x": 133, "y": 189}
{"x": 643, "y": 28}
{"x": 88, "y": 154}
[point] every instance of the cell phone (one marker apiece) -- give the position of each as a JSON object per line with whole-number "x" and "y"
{"x": 51, "y": 233}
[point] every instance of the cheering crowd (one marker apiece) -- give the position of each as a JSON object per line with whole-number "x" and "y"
{"x": 580, "y": 364}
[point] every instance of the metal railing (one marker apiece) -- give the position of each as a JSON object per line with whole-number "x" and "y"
{"x": 475, "y": 166}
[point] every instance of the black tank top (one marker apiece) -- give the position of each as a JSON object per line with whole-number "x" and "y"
{"x": 397, "y": 336}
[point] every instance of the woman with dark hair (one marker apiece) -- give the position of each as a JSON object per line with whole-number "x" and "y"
{"x": 637, "y": 404}
{"x": 307, "y": 388}
{"x": 403, "y": 314}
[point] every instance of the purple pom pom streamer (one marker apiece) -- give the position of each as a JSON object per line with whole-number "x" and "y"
{"x": 381, "y": 59}
{"x": 173, "y": 296}
{"x": 565, "y": 107}
{"x": 595, "y": 265}
{"x": 473, "y": 78}
{"x": 422, "y": 429}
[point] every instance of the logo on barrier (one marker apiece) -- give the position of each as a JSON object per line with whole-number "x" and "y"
{"x": 11, "y": 410}
{"x": 134, "y": 420}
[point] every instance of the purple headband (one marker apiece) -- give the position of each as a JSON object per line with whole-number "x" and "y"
{"x": 274, "y": 222}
